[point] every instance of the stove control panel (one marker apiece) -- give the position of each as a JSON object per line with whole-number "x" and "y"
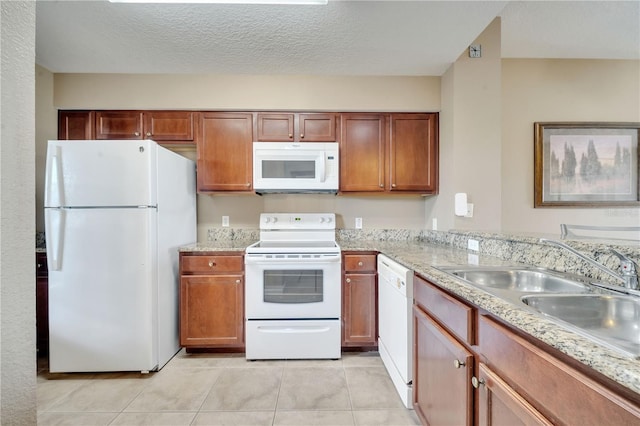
{"x": 302, "y": 221}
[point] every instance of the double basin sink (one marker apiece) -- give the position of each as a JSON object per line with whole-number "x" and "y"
{"x": 602, "y": 315}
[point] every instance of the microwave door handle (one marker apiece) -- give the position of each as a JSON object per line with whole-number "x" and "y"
{"x": 323, "y": 168}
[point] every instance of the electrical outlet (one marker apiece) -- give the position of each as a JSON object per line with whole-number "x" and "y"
{"x": 358, "y": 223}
{"x": 434, "y": 224}
{"x": 473, "y": 245}
{"x": 225, "y": 221}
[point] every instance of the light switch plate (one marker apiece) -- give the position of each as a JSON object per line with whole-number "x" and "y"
{"x": 358, "y": 223}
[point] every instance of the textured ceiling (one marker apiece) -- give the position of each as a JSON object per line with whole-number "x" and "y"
{"x": 341, "y": 38}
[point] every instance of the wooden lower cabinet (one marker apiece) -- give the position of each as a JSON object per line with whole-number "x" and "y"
{"x": 443, "y": 368}
{"x": 561, "y": 393}
{"x": 509, "y": 378}
{"x": 42, "y": 304}
{"x": 211, "y": 300}
{"x": 500, "y": 405}
{"x": 359, "y": 300}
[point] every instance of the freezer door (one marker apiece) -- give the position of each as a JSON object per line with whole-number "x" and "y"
{"x": 100, "y": 173}
{"x": 103, "y": 293}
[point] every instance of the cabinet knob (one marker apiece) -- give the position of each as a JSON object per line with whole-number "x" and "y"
{"x": 381, "y": 186}
{"x": 301, "y": 135}
{"x": 393, "y": 185}
{"x": 148, "y": 134}
{"x": 237, "y": 281}
{"x": 458, "y": 364}
{"x": 136, "y": 133}
{"x": 290, "y": 135}
{"x": 348, "y": 280}
{"x": 211, "y": 264}
{"x": 477, "y": 382}
{"x": 360, "y": 263}
{"x": 248, "y": 184}
{"x": 39, "y": 265}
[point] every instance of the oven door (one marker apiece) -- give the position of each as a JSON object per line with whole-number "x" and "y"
{"x": 284, "y": 287}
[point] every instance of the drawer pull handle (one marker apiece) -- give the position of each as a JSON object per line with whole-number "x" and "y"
{"x": 458, "y": 364}
{"x": 360, "y": 263}
{"x": 477, "y": 382}
{"x": 211, "y": 264}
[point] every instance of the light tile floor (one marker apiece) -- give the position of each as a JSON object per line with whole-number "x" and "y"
{"x": 214, "y": 389}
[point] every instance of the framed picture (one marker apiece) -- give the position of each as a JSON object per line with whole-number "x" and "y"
{"x": 586, "y": 164}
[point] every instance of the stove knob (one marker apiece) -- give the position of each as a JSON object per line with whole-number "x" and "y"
{"x": 321, "y": 219}
{"x": 267, "y": 219}
{"x": 329, "y": 219}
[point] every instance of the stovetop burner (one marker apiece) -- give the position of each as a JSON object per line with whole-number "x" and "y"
{"x": 296, "y": 233}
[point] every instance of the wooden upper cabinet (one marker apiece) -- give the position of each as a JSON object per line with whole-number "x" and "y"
{"x": 75, "y": 125}
{"x": 413, "y": 153}
{"x": 170, "y": 125}
{"x": 316, "y": 127}
{"x": 225, "y": 152}
{"x": 362, "y": 152}
{"x": 161, "y": 126}
{"x": 275, "y": 127}
{"x": 283, "y": 127}
{"x": 119, "y": 125}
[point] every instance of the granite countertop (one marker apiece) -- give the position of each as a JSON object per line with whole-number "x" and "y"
{"x": 426, "y": 251}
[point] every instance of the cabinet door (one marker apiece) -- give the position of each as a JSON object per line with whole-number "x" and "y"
{"x": 211, "y": 310}
{"x": 500, "y": 405}
{"x": 169, "y": 125}
{"x": 118, "y": 125}
{"x": 359, "y": 314}
{"x": 275, "y": 127}
{"x": 225, "y": 152}
{"x": 413, "y": 153}
{"x": 442, "y": 391}
{"x": 317, "y": 127}
{"x": 362, "y": 152}
{"x": 76, "y": 125}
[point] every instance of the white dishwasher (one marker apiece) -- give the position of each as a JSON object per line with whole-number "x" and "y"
{"x": 395, "y": 324}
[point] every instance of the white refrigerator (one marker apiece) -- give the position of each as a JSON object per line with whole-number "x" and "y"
{"x": 116, "y": 213}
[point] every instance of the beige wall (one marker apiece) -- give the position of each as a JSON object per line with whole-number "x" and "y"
{"x": 559, "y": 90}
{"x": 470, "y": 138}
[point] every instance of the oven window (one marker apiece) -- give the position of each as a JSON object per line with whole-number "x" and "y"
{"x": 288, "y": 169}
{"x": 293, "y": 286}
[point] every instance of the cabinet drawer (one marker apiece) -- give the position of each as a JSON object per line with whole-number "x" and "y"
{"x": 360, "y": 262}
{"x": 203, "y": 264}
{"x": 456, "y": 316}
{"x": 561, "y": 393}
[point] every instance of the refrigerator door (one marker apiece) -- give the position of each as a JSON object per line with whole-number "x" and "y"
{"x": 100, "y": 173}
{"x": 102, "y": 297}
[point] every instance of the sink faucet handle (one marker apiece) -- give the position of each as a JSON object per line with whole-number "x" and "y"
{"x": 627, "y": 265}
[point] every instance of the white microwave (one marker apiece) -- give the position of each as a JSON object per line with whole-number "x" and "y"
{"x": 305, "y": 167}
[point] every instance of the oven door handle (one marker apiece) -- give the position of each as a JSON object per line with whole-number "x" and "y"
{"x": 283, "y": 329}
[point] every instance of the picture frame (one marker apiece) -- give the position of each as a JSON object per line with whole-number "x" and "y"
{"x": 590, "y": 164}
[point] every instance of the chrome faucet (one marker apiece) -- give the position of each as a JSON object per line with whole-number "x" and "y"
{"x": 629, "y": 275}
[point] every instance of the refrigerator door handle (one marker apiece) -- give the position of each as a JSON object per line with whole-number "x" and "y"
{"x": 54, "y": 224}
{"x": 55, "y": 196}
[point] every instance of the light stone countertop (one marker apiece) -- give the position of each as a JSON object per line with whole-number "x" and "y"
{"x": 423, "y": 251}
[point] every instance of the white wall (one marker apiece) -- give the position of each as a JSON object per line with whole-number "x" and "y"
{"x": 559, "y": 90}
{"x": 17, "y": 206}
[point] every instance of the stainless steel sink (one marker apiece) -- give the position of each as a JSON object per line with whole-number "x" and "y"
{"x": 520, "y": 279}
{"x": 614, "y": 319}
